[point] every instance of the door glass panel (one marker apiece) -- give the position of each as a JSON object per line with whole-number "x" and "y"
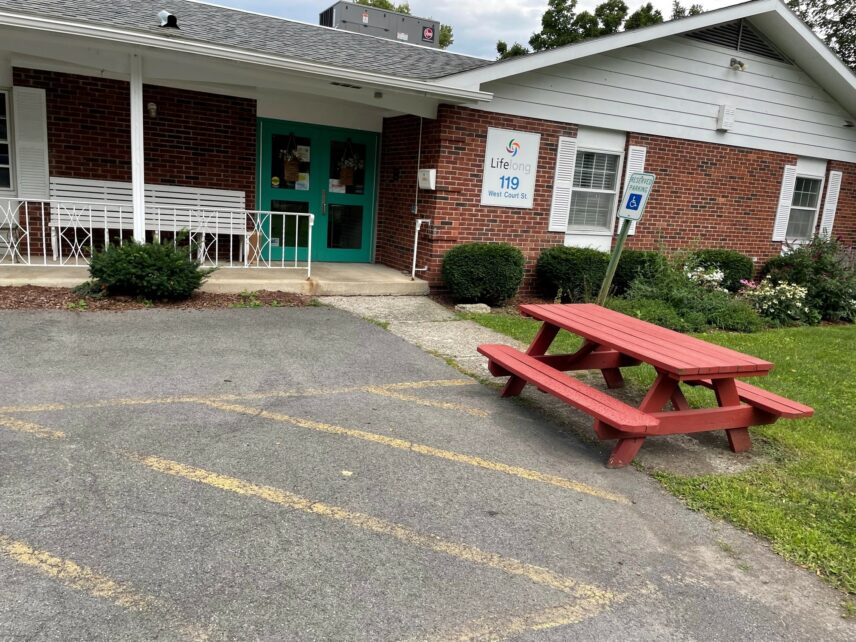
{"x": 347, "y": 167}
{"x": 282, "y": 226}
{"x": 345, "y": 227}
{"x": 291, "y": 162}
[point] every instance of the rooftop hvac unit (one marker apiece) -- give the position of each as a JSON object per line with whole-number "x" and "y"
{"x": 358, "y": 18}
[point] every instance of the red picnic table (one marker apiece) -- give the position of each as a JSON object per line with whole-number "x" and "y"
{"x": 612, "y": 341}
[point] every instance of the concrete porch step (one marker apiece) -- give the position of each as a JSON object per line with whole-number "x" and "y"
{"x": 330, "y": 279}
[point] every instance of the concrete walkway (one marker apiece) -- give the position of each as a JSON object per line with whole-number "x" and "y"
{"x": 365, "y": 279}
{"x": 427, "y": 324}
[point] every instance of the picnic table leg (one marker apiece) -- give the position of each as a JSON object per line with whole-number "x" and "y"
{"x": 726, "y": 395}
{"x": 612, "y": 377}
{"x": 679, "y": 401}
{"x": 660, "y": 393}
{"x": 539, "y": 346}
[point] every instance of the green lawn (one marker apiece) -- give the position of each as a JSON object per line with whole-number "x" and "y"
{"x": 804, "y": 499}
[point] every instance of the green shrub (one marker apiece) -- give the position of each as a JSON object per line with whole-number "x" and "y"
{"x": 822, "y": 268}
{"x": 483, "y": 272}
{"x": 634, "y": 263}
{"x": 698, "y": 303}
{"x": 570, "y": 273}
{"x": 150, "y": 271}
{"x": 735, "y": 266}
{"x": 651, "y": 310}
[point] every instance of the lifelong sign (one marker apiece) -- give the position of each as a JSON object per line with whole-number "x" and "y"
{"x": 510, "y": 165}
{"x": 636, "y": 196}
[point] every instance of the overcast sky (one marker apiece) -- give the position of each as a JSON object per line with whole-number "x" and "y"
{"x": 478, "y": 24}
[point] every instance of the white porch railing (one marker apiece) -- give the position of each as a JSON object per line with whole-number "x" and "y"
{"x": 60, "y": 233}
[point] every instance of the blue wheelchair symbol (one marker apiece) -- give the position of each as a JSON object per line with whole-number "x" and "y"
{"x": 634, "y": 201}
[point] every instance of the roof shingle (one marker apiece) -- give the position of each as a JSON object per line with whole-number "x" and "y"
{"x": 254, "y": 32}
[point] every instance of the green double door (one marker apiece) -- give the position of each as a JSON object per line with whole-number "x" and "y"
{"x": 325, "y": 171}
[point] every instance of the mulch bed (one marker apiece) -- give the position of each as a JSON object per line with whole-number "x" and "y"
{"x": 31, "y": 297}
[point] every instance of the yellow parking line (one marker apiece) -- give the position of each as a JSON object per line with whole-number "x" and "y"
{"x": 422, "y": 449}
{"x": 471, "y": 554}
{"x": 445, "y": 405}
{"x": 74, "y": 575}
{"x": 494, "y": 629}
{"x": 29, "y": 427}
{"x": 308, "y": 392}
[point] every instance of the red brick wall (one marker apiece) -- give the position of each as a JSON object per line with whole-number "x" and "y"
{"x": 454, "y": 144}
{"x": 710, "y": 196}
{"x": 706, "y": 195}
{"x": 197, "y": 139}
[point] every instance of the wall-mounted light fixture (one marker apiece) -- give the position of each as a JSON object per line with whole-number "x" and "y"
{"x": 737, "y": 65}
{"x": 152, "y": 109}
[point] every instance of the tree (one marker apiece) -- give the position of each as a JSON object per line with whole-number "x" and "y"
{"x": 506, "y": 52}
{"x": 680, "y": 11}
{"x": 556, "y": 26}
{"x": 832, "y": 20}
{"x": 610, "y": 16}
{"x": 446, "y": 36}
{"x": 644, "y": 16}
{"x": 560, "y": 25}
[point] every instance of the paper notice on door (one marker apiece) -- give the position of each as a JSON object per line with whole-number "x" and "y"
{"x": 274, "y": 242}
{"x": 302, "y": 183}
{"x": 336, "y": 186}
{"x": 302, "y": 152}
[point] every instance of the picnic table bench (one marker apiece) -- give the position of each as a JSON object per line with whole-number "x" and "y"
{"x": 612, "y": 341}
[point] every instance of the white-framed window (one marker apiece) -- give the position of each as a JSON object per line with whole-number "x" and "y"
{"x": 594, "y": 191}
{"x": 804, "y": 207}
{"x": 6, "y": 178}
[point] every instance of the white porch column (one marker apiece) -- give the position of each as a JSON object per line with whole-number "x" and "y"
{"x": 138, "y": 179}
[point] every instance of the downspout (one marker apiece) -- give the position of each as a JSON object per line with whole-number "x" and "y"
{"x": 419, "y": 221}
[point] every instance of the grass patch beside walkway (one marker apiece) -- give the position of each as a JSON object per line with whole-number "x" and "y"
{"x": 804, "y": 499}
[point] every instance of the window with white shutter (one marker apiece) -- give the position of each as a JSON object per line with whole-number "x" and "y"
{"x": 5, "y": 143}
{"x": 799, "y": 205}
{"x": 29, "y": 111}
{"x": 594, "y": 192}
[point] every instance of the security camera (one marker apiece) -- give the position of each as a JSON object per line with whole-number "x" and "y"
{"x": 168, "y": 20}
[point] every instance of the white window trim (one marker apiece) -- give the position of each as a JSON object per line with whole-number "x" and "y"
{"x": 820, "y": 198}
{"x": 591, "y": 230}
{"x": 6, "y": 94}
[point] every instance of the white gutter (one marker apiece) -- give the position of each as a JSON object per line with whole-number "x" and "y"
{"x": 420, "y": 87}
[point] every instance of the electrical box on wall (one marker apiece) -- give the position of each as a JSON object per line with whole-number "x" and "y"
{"x": 725, "y": 118}
{"x": 428, "y": 179}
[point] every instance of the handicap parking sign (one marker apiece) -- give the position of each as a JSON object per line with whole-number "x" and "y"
{"x": 634, "y": 201}
{"x": 636, "y": 195}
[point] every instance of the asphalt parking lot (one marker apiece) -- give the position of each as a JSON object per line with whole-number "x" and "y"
{"x": 301, "y": 474}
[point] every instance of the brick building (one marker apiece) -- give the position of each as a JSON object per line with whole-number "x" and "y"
{"x": 274, "y": 141}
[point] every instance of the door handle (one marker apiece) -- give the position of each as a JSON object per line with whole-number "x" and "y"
{"x": 324, "y": 201}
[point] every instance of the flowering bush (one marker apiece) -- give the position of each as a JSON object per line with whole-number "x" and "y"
{"x": 707, "y": 277}
{"x": 782, "y": 303}
{"x": 824, "y": 268}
